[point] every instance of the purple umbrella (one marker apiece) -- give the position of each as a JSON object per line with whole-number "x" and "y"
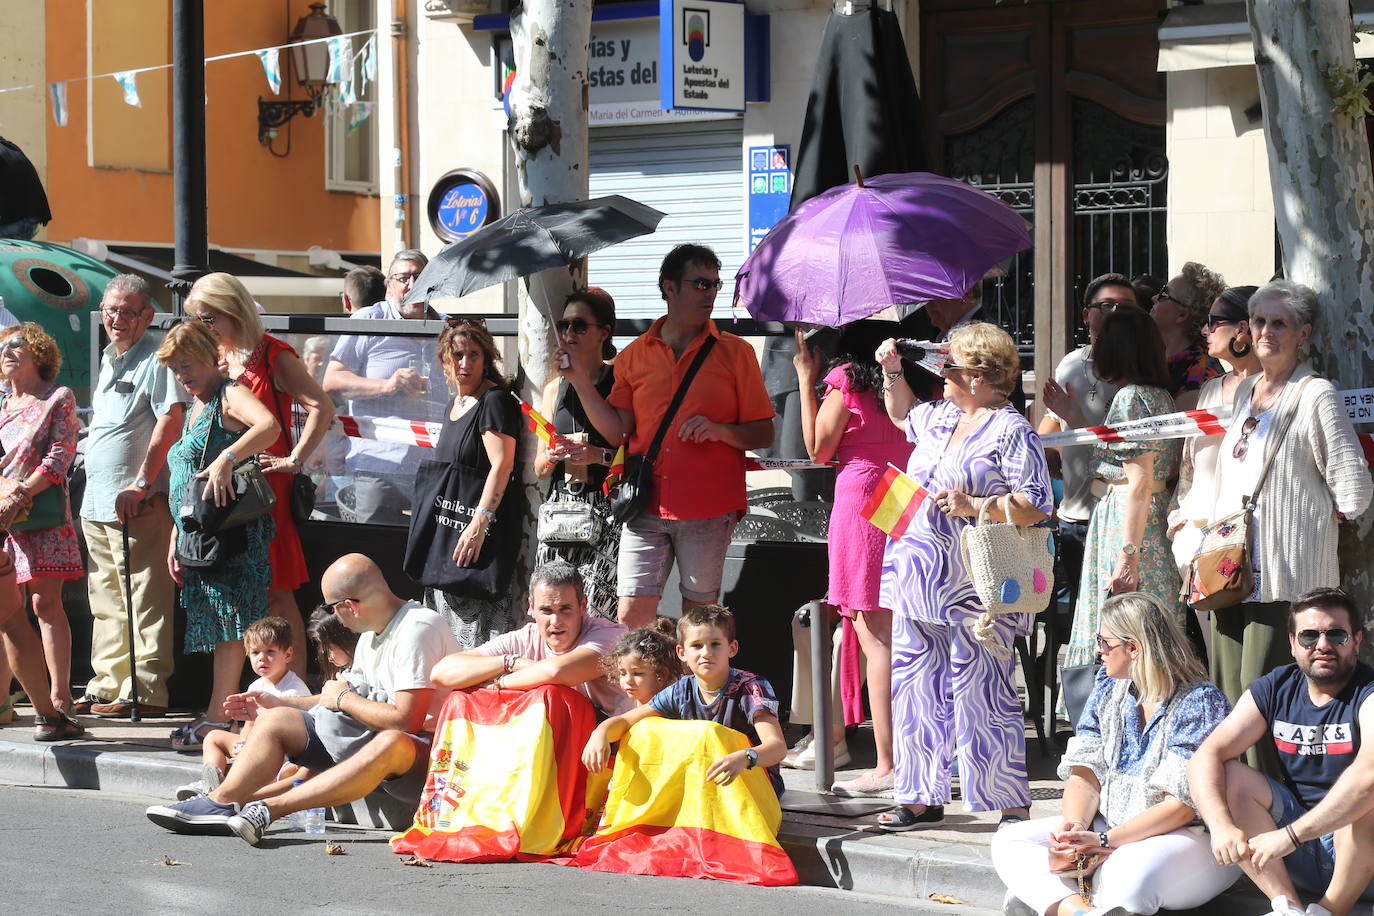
{"x": 887, "y": 240}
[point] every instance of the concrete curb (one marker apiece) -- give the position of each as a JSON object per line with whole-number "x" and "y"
{"x": 93, "y": 766}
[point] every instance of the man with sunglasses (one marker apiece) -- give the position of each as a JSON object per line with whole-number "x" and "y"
{"x": 371, "y": 729}
{"x": 1314, "y": 827}
{"x": 698, "y": 488}
{"x": 384, "y": 376}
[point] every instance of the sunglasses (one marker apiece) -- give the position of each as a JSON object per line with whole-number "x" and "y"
{"x": 1105, "y": 645}
{"x": 457, "y": 321}
{"x": 330, "y": 605}
{"x": 14, "y": 343}
{"x": 578, "y": 326}
{"x": 1216, "y": 321}
{"x": 206, "y": 318}
{"x": 1243, "y": 443}
{"x": 701, "y": 284}
{"x": 1336, "y": 636}
{"x": 1165, "y": 296}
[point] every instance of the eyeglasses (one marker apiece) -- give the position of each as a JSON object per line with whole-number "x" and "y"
{"x": 1165, "y": 296}
{"x": 330, "y": 605}
{"x": 1336, "y": 636}
{"x": 701, "y": 284}
{"x": 403, "y": 279}
{"x": 1243, "y": 443}
{"x": 121, "y": 314}
{"x": 1108, "y": 305}
{"x": 1105, "y": 645}
{"x": 577, "y": 325}
{"x": 206, "y": 318}
{"x": 1216, "y": 321}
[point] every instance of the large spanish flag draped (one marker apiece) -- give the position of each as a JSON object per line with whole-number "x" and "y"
{"x": 664, "y": 818}
{"x": 506, "y": 779}
{"x": 894, "y": 502}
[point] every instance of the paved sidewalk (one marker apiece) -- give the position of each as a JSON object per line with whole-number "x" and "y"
{"x": 831, "y": 848}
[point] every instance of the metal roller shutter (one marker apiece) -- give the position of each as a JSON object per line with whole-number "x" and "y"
{"x": 693, "y": 172}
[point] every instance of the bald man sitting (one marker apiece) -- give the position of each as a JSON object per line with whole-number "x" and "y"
{"x": 370, "y": 730}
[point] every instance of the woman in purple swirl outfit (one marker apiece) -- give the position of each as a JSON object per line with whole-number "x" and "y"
{"x": 950, "y": 690}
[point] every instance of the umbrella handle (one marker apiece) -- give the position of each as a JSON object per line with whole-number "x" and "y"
{"x": 858, "y": 177}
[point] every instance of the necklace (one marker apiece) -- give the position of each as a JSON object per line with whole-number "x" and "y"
{"x": 1092, "y": 374}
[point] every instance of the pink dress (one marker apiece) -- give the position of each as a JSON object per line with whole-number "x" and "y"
{"x": 42, "y": 437}
{"x": 870, "y": 441}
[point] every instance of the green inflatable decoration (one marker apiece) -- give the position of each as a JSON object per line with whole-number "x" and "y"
{"x": 57, "y": 288}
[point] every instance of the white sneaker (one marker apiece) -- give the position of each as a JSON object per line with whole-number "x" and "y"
{"x": 1281, "y": 907}
{"x": 801, "y": 747}
{"x": 806, "y": 760}
{"x": 1316, "y": 909}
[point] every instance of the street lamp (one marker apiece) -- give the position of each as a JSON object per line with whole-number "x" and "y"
{"x": 311, "y": 63}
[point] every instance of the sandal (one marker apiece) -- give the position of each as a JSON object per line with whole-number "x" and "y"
{"x": 1014, "y": 816}
{"x": 189, "y": 738}
{"x": 60, "y": 728}
{"x": 901, "y": 818}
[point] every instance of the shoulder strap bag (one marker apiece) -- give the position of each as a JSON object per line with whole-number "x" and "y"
{"x": 252, "y": 498}
{"x": 629, "y": 497}
{"x": 302, "y": 487}
{"x": 1222, "y": 572}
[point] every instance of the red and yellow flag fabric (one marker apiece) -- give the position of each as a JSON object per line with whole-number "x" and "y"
{"x": 506, "y": 779}
{"x": 663, "y": 817}
{"x": 894, "y": 502}
{"x": 617, "y": 470}
{"x": 538, "y": 424}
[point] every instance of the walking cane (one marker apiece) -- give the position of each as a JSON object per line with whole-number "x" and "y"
{"x": 129, "y": 616}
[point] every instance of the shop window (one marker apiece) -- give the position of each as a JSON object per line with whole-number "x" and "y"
{"x": 126, "y": 35}
{"x": 350, "y": 145}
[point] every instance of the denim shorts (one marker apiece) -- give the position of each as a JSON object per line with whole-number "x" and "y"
{"x": 649, "y": 544}
{"x": 1311, "y": 864}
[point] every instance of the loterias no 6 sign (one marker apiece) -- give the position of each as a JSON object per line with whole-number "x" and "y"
{"x": 702, "y": 53}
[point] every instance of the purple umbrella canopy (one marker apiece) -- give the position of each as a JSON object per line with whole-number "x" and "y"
{"x": 859, "y": 248}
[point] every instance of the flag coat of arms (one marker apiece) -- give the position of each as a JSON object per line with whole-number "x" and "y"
{"x": 664, "y": 817}
{"x": 505, "y": 780}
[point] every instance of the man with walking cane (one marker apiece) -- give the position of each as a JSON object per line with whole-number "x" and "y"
{"x": 137, "y": 409}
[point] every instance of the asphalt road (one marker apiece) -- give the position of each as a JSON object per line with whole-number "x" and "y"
{"x": 89, "y": 852}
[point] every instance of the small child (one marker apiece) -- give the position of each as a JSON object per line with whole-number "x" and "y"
{"x": 267, "y": 643}
{"x": 714, "y": 692}
{"x": 643, "y": 662}
{"x": 334, "y": 642}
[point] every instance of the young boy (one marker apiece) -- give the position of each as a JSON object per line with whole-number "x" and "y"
{"x": 713, "y": 692}
{"x": 267, "y": 643}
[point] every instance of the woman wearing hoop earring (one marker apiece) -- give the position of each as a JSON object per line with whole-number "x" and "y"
{"x": 1227, "y": 332}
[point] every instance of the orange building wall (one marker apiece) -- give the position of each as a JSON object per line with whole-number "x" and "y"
{"x": 256, "y": 200}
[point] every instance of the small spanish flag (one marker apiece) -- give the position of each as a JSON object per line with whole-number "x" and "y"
{"x": 894, "y": 502}
{"x": 617, "y": 471}
{"x": 538, "y": 425}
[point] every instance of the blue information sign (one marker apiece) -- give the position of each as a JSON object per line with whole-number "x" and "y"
{"x": 463, "y": 210}
{"x": 769, "y": 175}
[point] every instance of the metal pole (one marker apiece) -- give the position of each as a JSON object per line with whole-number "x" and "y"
{"x": 820, "y": 696}
{"x": 188, "y": 147}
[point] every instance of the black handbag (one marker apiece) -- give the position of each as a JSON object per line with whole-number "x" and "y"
{"x": 198, "y": 550}
{"x": 302, "y": 490}
{"x": 631, "y": 494}
{"x": 1076, "y": 684}
{"x": 251, "y": 499}
{"x": 447, "y": 494}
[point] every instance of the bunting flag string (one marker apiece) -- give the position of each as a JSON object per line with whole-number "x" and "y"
{"x": 58, "y": 93}
{"x": 361, "y": 112}
{"x": 128, "y": 81}
{"x": 271, "y": 68}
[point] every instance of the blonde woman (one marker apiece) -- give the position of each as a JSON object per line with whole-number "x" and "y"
{"x": 271, "y": 370}
{"x": 1127, "y": 816}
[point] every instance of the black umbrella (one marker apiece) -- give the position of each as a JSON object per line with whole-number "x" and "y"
{"x": 530, "y": 240}
{"x": 23, "y": 203}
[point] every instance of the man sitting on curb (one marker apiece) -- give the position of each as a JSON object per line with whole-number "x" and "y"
{"x": 368, "y": 731}
{"x": 1316, "y": 827}
{"x": 562, "y": 644}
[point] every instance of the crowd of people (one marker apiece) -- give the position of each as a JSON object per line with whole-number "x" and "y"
{"x": 1153, "y": 786}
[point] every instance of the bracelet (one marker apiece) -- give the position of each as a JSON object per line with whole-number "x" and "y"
{"x": 508, "y": 663}
{"x": 1292, "y": 835}
{"x": 489, "y": 513}
{"x": 892, "y": 376}
{"x": 233, "y": 459}
{"x": 338, "y": 700}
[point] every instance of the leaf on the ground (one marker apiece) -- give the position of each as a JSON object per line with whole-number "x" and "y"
{"x": 945, "y": 898}
{"x": 333, "y": 849}
{"x": 417, "y": 862}
{"x": 168, "y": 860}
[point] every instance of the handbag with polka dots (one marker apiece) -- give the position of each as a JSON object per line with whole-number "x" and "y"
{"x": 1011, "y": 567}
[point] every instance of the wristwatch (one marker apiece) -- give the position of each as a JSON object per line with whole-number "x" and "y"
{"x": 233, "y": 459}
{"x": 1102, "y": 841}
{"x": 141, "y": 482}
{"x": 753, "y": 757}
{"x": 1129, "y": 549}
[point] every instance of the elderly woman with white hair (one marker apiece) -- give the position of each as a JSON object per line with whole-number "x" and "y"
{"x": 1318, "y": 477}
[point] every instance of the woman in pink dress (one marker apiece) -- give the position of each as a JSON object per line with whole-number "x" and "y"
{"x": 851, "y": 426}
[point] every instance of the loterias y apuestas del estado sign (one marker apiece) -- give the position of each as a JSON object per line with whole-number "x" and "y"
{"x": 702, "y": 52}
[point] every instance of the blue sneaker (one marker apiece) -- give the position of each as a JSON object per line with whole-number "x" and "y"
{"x": 251, "y": 822}
{"x": 201, "y": 815}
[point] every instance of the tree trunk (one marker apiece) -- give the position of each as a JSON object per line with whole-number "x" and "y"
{"x": 1319, "y": 169}
{"x": 548, "y": 132}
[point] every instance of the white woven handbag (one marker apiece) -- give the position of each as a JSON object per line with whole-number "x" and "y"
{"x": 1012, "y": 568}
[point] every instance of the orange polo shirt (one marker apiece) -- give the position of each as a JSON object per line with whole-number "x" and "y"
{"x": 691, "y": 479}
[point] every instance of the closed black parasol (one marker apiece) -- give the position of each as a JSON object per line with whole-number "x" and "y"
{"x": 23, "y": 202}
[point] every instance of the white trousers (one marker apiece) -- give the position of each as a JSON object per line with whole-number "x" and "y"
{"x": 1173, "y": 871}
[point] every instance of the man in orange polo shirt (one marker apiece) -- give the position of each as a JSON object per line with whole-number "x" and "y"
{"x": 698, "y": 492}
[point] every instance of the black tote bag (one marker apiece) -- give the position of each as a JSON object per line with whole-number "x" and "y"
{"x": 447, "y": 494}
